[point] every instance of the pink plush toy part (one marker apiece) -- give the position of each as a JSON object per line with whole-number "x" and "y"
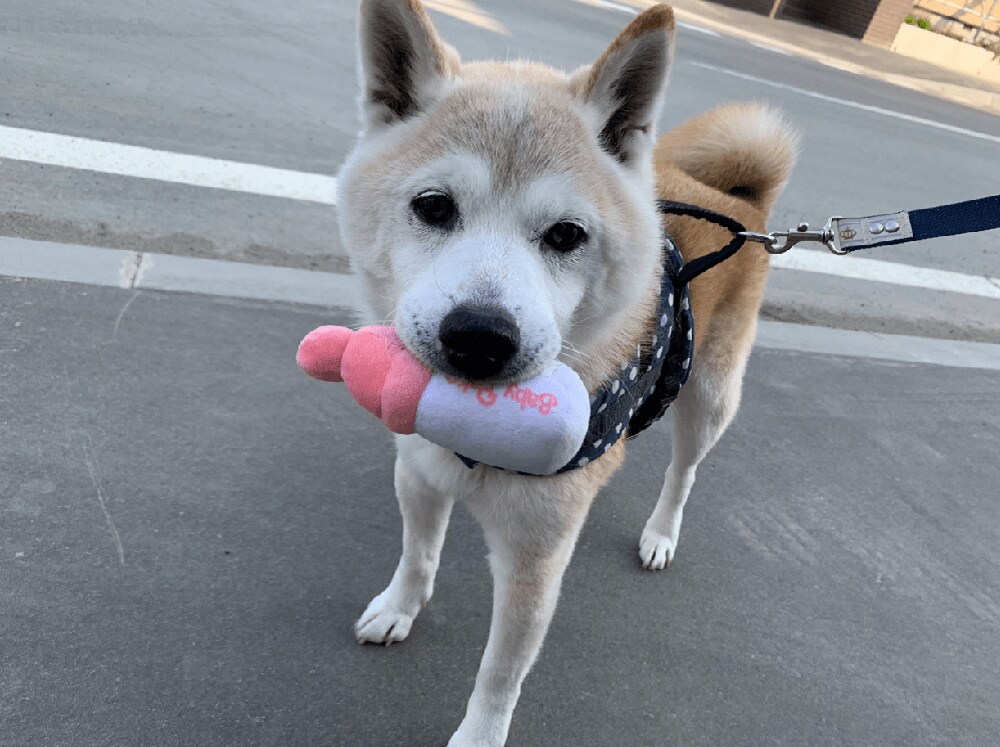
{"x": 535, "y": 426}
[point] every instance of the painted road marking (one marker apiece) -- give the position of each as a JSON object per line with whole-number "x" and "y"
{"x": 699, "y": 29}
{"x": 117, "y": 268}
{"x": 848, "y": 103}
{"x": 769, "y": 48}
{"x": 610, "y": 5}
{"x": 166, "y": 166}
{"x": 888, "y": 272}
{"x": 465, "y": 10}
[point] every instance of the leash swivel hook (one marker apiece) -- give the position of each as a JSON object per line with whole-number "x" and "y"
{"x": 773, "y": 243}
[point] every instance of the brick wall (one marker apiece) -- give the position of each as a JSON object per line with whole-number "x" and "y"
{"x": 886, "y": 22}
{"x": 874, "y": 21}
{"x": 754, "y": 6}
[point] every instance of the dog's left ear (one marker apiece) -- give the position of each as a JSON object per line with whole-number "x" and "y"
{"x": 404, "y": 64}
{"x": 626, "y": 85}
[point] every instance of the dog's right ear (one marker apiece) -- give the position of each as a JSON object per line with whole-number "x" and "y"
{"x": 404, "y": 64}
{"x": 625, "y": 86}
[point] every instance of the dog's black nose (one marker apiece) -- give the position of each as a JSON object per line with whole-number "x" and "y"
{"x": 478, "y": 341}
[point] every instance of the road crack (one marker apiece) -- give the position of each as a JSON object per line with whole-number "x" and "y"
{"x": 90, "y": 460}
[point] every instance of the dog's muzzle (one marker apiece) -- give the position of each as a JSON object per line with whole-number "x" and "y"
{"x": 479, "y": 341}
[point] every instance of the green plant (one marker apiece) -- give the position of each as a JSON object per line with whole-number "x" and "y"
{"x": 923, "y": 23}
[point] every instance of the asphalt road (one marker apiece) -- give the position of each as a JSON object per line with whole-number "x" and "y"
{"x": 190, "y": 527}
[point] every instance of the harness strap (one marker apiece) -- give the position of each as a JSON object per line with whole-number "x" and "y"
{"x": 696, "y": 267}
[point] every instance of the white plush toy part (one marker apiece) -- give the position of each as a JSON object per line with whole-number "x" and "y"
{"x": 534, "y": 426}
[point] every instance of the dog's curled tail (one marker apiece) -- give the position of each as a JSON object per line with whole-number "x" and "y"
{"x": 746, "y": 150}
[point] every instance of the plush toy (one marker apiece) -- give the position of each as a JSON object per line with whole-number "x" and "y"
{"x": 534, "y": 426}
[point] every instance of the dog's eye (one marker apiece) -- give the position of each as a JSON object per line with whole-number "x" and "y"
{"x": 565, "y": 236}
{"x": 434, "y": 208}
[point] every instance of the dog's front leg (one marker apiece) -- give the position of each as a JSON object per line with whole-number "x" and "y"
{"x": 528, "y": 555}
{"x": 425, "y": 511}
{"x": 703, "y": 411}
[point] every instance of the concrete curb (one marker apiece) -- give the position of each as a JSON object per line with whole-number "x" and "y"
{"x": 806, "y": 338}
{"x": 116, "y": 268}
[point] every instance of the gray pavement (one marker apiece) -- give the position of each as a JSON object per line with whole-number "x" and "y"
{"x": 190, "y": 526}
{"x": 274, "y": 83}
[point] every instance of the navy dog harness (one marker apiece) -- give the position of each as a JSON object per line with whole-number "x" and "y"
{"x": 647, "y": 385}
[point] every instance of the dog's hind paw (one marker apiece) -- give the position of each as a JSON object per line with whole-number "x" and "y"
{"x": 383, "y": 622}
{"x": 656, "y": 550}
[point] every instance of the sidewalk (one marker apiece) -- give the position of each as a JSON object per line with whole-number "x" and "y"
{"x": 839, "y": 51}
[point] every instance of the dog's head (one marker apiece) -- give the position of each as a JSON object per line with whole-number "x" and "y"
{"x": 502, "y": 215}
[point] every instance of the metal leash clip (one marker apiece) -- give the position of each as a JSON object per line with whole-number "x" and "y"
{"x": 773, "y": 244}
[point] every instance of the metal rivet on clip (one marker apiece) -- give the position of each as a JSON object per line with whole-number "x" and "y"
{"x": 876, "y": 227}
{"x": 892, "y": 225}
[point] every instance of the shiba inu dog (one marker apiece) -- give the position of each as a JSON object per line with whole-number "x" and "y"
{"x": 503, "y": 216}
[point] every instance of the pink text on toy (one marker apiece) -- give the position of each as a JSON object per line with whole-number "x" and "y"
{"x": 485, "y": 395}
{"x": 544, "y": 402}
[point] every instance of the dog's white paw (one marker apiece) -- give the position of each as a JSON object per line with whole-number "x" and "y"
{"x": 385, "y": 621}
{"x": 656, "y": 550}
{"x": 466, "y": 737}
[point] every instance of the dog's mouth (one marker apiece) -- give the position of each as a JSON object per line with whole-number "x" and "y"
{"x": 481, "y": 345}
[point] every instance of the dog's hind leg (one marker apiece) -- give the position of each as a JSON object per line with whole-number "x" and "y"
{"x": 530, "y": 547}
{"x": 425, "y": 520}
{"x": 704, "y": 409}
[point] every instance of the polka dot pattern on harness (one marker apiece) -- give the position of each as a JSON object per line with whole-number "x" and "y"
{"x": 648, "y": 384}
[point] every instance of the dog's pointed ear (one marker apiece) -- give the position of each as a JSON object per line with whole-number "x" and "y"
{"x": 404, "y": 64}
{"x": 625, "y": 86}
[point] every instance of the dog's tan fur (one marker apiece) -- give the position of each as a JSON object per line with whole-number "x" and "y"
{"x": 591, "y": 130}
{"x": 699, "y": 163}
